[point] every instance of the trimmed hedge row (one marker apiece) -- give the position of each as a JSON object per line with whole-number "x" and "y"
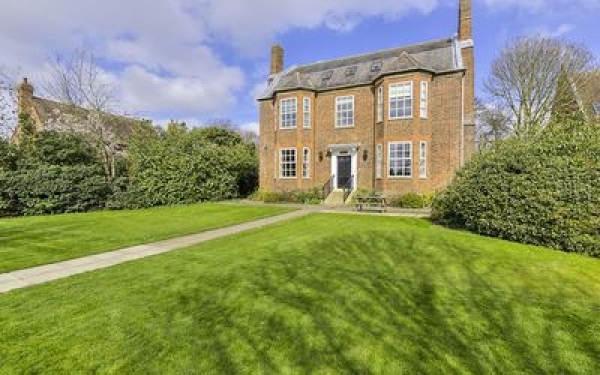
{"x": 53, "y": 189}
{"x": 545, "y": 192}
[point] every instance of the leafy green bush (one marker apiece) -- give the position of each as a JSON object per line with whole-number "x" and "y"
{"x": 409, "y": 200}
{"x": 52, "y": 189}
{"x": 545, "y": 192}
{"x": 123, "y": 196}
{"x": 312, "y": 196}
{"x": 178, "y": 166}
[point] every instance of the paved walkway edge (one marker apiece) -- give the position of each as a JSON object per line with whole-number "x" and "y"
{"x": 50, "y": 272}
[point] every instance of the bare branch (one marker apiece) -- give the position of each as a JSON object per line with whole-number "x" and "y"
{"x": 8, "y": 102}
{"x": 524, "y": 78}
{"x": 79, "y": 80}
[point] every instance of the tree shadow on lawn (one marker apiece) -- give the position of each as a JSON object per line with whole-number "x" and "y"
{"x": 373, "y": 304}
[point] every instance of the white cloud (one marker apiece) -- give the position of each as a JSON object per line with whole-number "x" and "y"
{"x": 165, "y": 54}
{"x": 560, "y": 30}
{"x": 250, "y": 127}
{"x": 542, "y": 5}
{"x": 186, "y": 95}
{"x": 250, "y": 25}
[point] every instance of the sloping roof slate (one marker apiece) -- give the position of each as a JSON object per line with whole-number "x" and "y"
{"x": 436, "y": 56}
{"x": 56, "y": 115}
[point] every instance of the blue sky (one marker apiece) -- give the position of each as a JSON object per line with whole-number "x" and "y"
{"x": 195, "y": 60}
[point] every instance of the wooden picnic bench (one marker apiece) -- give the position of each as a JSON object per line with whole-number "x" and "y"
{"x": 370, "y": 203}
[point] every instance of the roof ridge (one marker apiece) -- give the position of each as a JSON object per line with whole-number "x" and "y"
{"x": 433, "y": 41}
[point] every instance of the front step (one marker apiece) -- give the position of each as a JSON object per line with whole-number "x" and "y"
{"x": 335, "y": 198}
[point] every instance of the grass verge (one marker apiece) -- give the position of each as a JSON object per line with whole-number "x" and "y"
{"x": 33, "y": 241}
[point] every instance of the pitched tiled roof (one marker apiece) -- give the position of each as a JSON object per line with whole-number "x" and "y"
{"x": 436, "y": 56}
{"x": 60, "y": 116}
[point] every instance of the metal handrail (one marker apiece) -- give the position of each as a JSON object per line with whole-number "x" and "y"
{"x": 347, "y": 187}
{"x": 328, "y": 187}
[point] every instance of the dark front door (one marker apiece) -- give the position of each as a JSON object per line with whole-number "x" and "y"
{"x": 344, "y": 169}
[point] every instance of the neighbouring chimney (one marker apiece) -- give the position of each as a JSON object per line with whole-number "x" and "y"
{"x": 465, "y": 20}
{"x": 276, "y": 59}
{"x": 25, "y": 95}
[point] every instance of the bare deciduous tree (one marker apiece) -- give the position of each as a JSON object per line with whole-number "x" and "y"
{"x": 78, "y": 80}
{"x": 524, "y": 78}
{"x": 8, "y": 103}
{"x": 492, "y": 123}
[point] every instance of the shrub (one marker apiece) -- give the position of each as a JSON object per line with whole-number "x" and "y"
{"x": 266, "y": 196}
{"x": 123, "y": 196}
{"x": 52, "y": 189}
{"x": 409, "y": 200}
{"x": 312, "y": 196}
{"x": 180, "y": 166}
{"x": 545, "y": 192}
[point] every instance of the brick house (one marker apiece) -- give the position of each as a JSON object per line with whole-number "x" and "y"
{"x": 398, "y": 120}
{"x": 47, "y": 114}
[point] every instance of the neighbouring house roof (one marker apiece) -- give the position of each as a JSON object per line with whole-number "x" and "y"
{"x": 438, "y": 56}
{"x": 52, "y": 115}
{"x": 55, "y": 115}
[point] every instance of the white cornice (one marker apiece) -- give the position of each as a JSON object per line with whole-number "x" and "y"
{"x": 467, "y": 43}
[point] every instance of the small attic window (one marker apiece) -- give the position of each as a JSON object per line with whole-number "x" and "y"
{"x": 327, "y": 75}
{"x": 376, "y": 66}
{"x": 350, "y": 71}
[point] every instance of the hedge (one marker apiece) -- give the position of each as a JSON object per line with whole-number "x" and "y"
{"x": 52, "y": 189}
{"x": 545, "y": 192}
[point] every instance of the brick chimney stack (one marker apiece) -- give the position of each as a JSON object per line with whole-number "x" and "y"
{"x": 465, "y": 20}
{"x": 465, "y": 40}
{"x": 24, "y": 95}
{"x": 276, "y": 59}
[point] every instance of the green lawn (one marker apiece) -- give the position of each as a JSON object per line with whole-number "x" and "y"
{"x": 321, "y": 294}
{"x": 32, "y": 241}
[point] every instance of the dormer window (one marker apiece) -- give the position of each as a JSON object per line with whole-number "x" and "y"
{"x": 327, "y": 75}
{"x": 350, "y": 71}
{"x": 376, "y": 66}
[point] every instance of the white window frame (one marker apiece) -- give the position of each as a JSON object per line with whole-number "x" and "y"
{"x": 380, "y": 103}
{"x": 401, "y": 159}
{"x": 342, "y": 121}
{"x": 288, "y": 164}
{"x": 306, "y": 112}
{"x": 288, "y": 114}
{"x": 395, "y": 99}
{"x": 424, "y": 100}
{"x": 379, "y": 162}
{"x": 306, "y": 163}
{"x": 422, "y": 159}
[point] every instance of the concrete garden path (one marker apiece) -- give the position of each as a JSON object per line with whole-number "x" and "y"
{"x": 43, "y": 274}
{"x": 46, "y": 273}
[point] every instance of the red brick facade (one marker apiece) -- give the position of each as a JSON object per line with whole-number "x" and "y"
{"x": 447, "y": 129}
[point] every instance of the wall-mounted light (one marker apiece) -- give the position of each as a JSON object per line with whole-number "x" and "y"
{"x": 265, "y": 147}
{"x": 328, "y": 153}
{"x": 320, "y": 155}
{"x": 365, "y": 155}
